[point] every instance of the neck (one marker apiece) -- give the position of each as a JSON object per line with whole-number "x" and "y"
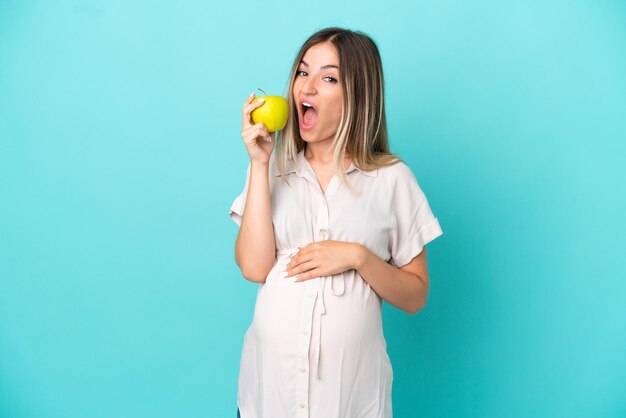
{"x": 322, "y": 154}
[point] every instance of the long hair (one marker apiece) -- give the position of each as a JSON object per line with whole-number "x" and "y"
{"x": 362, "y": 130}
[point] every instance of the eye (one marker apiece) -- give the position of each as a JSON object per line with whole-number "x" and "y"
{"x": 332, "y": 79}
{"x": 301, "y": 72}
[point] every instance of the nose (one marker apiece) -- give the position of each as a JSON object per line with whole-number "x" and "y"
{"x": 309, "y": 87}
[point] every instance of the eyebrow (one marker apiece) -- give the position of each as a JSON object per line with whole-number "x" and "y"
{"x": 322, "y": 67}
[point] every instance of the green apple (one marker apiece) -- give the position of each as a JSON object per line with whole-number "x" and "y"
{"x": 273, "y": 113}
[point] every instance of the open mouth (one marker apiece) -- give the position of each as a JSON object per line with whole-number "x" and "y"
{"x": 309, "y": 115}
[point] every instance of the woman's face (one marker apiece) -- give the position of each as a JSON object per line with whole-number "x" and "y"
{"x": 317, "y": 83}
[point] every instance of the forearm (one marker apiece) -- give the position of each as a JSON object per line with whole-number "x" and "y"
{"x": 255, "y": 249}
{"x": 399, "y": 288}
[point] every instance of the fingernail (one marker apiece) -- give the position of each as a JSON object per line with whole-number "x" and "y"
{"x": 261, "y": 101}
{"x": 251, "y": 94}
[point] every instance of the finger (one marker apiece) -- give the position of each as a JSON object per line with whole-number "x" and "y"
{"x": 248, "y": 108}
{"x": 251, "y": 131}
{"x": 250, "y": 137}
{"x": 249, "y": 99}
{"x": 300, "y": 258}
{"x": 263, "y": 132}
{"x": 255, "y": 132}
{"x": 291, "y": 260}
{"x": 247, "y": 102}
{"x": 311, "y": 274}
{"x": 299, "y": 269}
{"x": 253, "y": 105}
{"x": 304, "y": 249}
{"x": 254, "y": 140}
{"x": 310, "y": 247}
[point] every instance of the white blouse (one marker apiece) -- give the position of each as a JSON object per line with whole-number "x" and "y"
{"x": 316, "y": 348}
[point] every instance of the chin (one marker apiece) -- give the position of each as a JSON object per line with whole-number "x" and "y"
{"x": 309, "y": 139}
{"x": 306, "y": 136}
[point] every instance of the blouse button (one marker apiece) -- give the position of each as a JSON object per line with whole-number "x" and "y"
{"x": 302, "y": 405}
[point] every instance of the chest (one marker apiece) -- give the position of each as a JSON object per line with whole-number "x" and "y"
{"x": 302, "y": 214}
{"x": 323, "y": 177}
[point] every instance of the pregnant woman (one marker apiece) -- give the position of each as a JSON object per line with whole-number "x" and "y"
{"x": 331, "y": 223}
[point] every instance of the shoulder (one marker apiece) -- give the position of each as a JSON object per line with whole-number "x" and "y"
{"x": 397, "y": 172}
{"x": 401, "y": 183}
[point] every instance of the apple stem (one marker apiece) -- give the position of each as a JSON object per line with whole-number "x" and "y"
{"x": 262, "y": 91}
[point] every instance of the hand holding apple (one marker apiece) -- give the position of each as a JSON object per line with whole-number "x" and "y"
{"x": 273, "y": 113}
{"x": 258, "y": 140}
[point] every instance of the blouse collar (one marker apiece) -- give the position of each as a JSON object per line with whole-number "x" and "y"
{"x": 301, "y": 164}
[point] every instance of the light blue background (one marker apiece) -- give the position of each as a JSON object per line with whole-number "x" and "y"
{"x": 120, "y": 154}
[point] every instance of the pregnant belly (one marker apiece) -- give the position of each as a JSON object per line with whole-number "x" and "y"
{"x": 286, "y": 311}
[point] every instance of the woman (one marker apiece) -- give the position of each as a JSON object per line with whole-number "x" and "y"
{"x": 331, "y": 223}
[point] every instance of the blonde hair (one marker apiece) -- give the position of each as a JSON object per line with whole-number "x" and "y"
{"x": 362, "y": 130}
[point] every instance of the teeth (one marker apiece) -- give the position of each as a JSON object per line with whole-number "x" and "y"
{"x": 307, "y": 104}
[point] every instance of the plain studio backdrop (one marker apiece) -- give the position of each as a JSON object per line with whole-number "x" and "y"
{"x": 120, "y": 154}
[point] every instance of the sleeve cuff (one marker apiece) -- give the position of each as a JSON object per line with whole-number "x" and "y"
{"x": 425, "y": 235}
{"x": 236, "y": 210}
